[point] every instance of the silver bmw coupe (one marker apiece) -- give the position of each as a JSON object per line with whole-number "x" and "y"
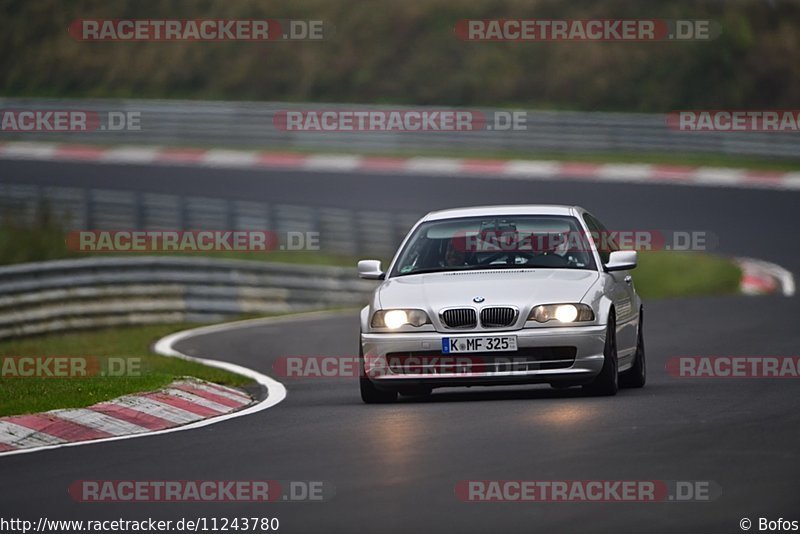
{"x": 502, "y": 295}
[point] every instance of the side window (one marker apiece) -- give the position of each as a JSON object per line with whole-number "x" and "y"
{"x": 602, "y": 238}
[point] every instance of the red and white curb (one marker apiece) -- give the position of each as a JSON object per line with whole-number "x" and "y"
{"x": 53, "y": 430}
{"x": 462, "y": 167}
{"x": 182, "y": 402}
{"x": 764, "y": 278}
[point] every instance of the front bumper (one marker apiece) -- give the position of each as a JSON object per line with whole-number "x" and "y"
{"x": 381, "y": 353}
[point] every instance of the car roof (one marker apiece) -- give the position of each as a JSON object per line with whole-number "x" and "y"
{"x": 489, "y": 211}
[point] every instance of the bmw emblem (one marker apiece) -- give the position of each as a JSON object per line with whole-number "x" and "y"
{"x": 478, "y": 299}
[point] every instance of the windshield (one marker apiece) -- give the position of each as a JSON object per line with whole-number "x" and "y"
{"x": 473, "y": 243}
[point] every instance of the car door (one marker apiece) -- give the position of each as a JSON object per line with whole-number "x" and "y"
{"x": 622, "y": 291}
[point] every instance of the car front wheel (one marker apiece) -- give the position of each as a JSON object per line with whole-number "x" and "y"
{"x": 369, "y": 393}
{"x": 636, "y": 376}
{"x": 607, "y": 382}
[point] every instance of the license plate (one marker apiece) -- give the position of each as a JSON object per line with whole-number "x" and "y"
{"x": 451, "y": 345}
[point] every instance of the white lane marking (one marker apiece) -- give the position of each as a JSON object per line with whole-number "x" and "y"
{"x": 718, "y": 176}
{"x": 532, "y": 169}
{"x": 99, "y": 421}
{"x": 196, "y": 399}
{"x": 217, "y": 389}
{"x": 791, "y": 180}
{"x": 32, "y": 150}
{"x": 331, "y": 162}
{"x": 761, "y": 268}
{"x": 625, "y": 172}
{"x": 20, "y": 436}
{"x": 165, "y": 347}
{"x": 230, "y": 158}
{"x": 433, "y": 166}
{"x": 130, "y": 154}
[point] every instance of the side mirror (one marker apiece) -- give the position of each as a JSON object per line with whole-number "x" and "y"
{"x": 621, "y": 260}
{"x": 370, "y": 270}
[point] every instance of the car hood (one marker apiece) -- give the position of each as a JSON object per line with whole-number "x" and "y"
{"x": 523, "y": 288}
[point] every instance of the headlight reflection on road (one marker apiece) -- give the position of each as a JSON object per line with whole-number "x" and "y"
{"x": 400, "y": 440}
{"x": 565, "y": 416}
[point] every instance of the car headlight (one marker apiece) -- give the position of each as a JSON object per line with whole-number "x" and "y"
{"x": 394, "y": 319}
{"x": 563, "y": 313}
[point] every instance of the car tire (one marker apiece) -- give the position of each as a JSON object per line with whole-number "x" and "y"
{"x": 369, "y": 393}
{"x": 607, "y": 382}
{"x": 636, "y": 376}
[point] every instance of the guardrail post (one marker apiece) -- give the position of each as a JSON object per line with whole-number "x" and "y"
{"x": 90, "y": 209}
{"x": 182, "y": 218}
{"x": 139, "y": 213}
{"x": 230, "y": 215}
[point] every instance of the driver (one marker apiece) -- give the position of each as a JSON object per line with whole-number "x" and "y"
{"x": 456, "y": 254}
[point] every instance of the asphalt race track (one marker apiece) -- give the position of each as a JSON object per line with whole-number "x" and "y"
{"x": 395, "y": 467}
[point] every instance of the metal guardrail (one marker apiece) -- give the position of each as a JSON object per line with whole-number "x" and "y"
{"x": 61, "y": 295}
{"x": 341, "y": 231}
{"x": 250, "y": 124}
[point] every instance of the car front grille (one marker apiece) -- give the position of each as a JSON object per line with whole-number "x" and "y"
{"x": 460, "y": 318}
{"x": 523, "y": 359}
{"x": 498, "y": 317}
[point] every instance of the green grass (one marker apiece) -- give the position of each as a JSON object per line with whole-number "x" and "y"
{"x": 683, "y": 274}
{"x": 27, "y": 395}
{"x": 41, "y": 241}
{"x": 45, "y": 240}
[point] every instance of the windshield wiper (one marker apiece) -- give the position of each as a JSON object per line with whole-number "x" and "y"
{"x": 427, "y": 270}
{"x": 487, "y": 267}
{"x": 494, "y": 266}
